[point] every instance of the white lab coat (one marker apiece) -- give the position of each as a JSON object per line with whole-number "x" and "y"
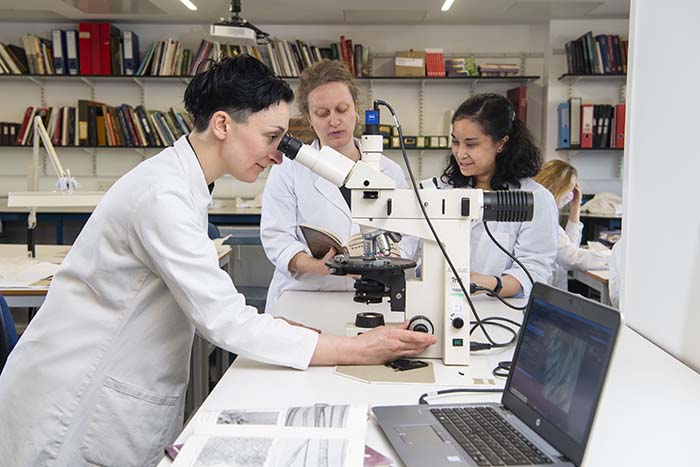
{"x": 295, "y": 195}
{"x": 99, "y": 376}
{"x": 570, "y": 255}
{"x": 534, "y": 243}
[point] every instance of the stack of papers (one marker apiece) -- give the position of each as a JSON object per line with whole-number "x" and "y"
{"x": 18, "y": 273}
{"x": 321, "y": 435}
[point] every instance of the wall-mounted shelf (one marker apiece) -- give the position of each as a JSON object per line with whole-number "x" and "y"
{"x": 571, "y": 79}
{"x": 589, "y": 149}
{"x": 489, "y": 79}
{"x": 86, "y": 147}
{"x": 5, "y": 146}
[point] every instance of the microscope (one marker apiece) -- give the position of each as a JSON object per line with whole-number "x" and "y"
{"x": 436, "y": 303}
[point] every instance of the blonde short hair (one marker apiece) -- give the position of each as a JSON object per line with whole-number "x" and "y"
{"x": 556, "y": 176}
{"x": 324, "y": 72}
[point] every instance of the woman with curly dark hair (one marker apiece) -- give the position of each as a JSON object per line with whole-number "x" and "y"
{"x": 493, "y": 150}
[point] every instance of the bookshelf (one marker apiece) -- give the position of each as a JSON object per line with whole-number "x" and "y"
{"x": 593, "y": 82}
{"x": 136, "y": 79}
{"x": 422, "y": 103}
{"x": 589, "y": 149}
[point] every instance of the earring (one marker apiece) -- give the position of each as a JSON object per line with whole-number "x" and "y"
{"x": 499, "y": 150}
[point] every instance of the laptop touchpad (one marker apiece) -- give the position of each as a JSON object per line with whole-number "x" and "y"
{"x": 418, "y": 434}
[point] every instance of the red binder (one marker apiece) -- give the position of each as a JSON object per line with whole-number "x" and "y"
{"x": 620, "y": 126}
{"x": 587, "y": 126}
{"x": 518, "y": 99}
{"x": 85, "y": 48}
{"x": 104, "y": 55}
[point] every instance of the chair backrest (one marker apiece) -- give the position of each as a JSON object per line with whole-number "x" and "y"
{"x": 213, "y": 231}
{"x": 8, "y": 333}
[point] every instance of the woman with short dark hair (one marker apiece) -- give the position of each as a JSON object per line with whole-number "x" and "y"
{"x": 99, "y": 376}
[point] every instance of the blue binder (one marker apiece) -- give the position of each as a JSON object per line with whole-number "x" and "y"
{"x": 564, "y": 130}
{"x": 59, "y": 51}
{"x": 71, "y": 41}
{"x": 130, "y": 42}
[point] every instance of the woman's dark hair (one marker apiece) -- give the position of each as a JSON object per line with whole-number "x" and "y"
{"x": 520, "y": 157}
{"x": 239, "y": 86}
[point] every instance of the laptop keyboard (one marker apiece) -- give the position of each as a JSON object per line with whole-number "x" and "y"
{"x": 488, "y": 438}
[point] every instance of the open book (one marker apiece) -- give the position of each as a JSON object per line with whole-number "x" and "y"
{"x": 321, "y": 435}
{"x": 321, "y": 240}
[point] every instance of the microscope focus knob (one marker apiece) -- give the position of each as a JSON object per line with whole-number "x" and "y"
{"x": 421, "y": 323}
{"x": 458, "y": 323}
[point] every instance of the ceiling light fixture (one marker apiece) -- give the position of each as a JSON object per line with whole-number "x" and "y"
{"x": 189, "y": 5}
{"x": 446, "y": 6}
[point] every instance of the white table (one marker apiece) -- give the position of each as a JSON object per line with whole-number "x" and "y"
{"x": 647, "y": 417}
{"x": 597, "y": 280}
{"x": 256, "y": 385}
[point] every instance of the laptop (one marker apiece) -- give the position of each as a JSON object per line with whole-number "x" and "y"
{"x": 561, "y": 359}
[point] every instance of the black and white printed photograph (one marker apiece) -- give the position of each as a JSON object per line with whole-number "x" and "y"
{"x": 242, "y": 417}
{"x": 234, "y": 452}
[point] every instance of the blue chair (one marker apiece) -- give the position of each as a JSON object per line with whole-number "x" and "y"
{"x": 8, "y": 333}
{"x": 213, "y": 231}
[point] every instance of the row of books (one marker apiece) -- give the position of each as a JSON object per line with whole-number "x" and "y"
{"x": 8, "y": 133}
{"x": 498, "y": 69}
{"x": 602, "y": 54}
{"x": 35, "y": 57}
{"x": 590, "y": 126}
{"x": 96, "y": 124}
{"x": 463, "y": 66}
{"x": 94, "y": 49}
{"x": 434, "y": 63}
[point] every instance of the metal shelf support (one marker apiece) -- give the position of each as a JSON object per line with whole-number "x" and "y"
{"x": 91, "y": 84}
{"x": 42, "y": 89}
{"x": 141, "y": 86}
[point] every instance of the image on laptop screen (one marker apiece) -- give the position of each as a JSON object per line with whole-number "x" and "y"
{"x": 560, "y": 367}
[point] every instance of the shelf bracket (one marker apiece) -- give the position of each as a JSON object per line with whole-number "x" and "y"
{"x": 420, "y": 107}
{"x": 93, "y": 153}
{"x": 623, "y": 92}
{"x": 141, "y": 86}
{"x": 91, "y": 84}
{"x": 141, "y": 152}
{"x": 620, "y": 163}
{"x": 42, "y": 89}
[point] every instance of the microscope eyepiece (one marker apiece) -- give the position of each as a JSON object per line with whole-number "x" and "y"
{"x": 289, "y": 146}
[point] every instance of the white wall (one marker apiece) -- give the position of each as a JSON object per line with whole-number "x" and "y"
{"x": 599, "y": 170}
{"x": 438, "y": 97}
{"x": 662, "y": 222}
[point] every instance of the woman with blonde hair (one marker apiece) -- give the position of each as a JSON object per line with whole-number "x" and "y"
{"x": 328, "y": 98}
{"x": 561, "y": 179}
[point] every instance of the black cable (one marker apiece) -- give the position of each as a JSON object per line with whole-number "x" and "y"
{"x": 430, "y": 224}
{"x": 503, "y": 369}
{"x": 491, "y": 293}
{"x": 422, "y": 399}
{"x": 492, "y": 322}
{"x": 500, "y": 247}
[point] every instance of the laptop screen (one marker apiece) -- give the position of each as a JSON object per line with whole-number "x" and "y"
{"x": 560, "y": 367}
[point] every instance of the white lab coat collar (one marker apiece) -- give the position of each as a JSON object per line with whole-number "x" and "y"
{"x": 190, "y": 165}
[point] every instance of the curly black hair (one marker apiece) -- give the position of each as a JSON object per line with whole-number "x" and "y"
{"x": 520, "y": 157}
{"x": 237, "y": 85}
